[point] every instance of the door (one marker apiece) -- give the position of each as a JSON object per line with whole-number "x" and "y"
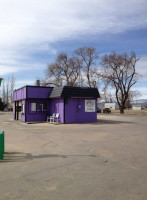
{"x": 79, "y": 108}
{"x": 70, "y": 111}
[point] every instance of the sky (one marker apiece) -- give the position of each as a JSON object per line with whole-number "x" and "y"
{"x": 33, "y": 32}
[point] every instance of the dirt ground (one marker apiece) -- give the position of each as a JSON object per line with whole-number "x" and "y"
{"x": 131, "y": 112}
{"x": 106, "y": 160}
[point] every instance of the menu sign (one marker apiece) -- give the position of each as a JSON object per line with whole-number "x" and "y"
{"x": 89, "y": 105}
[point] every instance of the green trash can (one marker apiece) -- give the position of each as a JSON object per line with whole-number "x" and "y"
{"x": 1, "y": 144}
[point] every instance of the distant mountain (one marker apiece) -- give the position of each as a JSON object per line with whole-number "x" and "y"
{"x": 143, "y": 101}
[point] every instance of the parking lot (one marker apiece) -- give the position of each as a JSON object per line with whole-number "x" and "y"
{"x": 106, "y": 160}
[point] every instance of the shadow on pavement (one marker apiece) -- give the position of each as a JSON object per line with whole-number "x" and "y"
{"x": 104, "y": 121}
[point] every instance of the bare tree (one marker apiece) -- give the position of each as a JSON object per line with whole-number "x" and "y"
{"x": 119, "y": 71}
{"x": 8, "y": 87}
{"x": 77, "y": 70}
{"x": 131, "y": 96}
{"x": 88, "y": 58}
{"x": 107, "y": 96}
{"x": 53, "y": 76}
{"x": 64, "y": 71}
{"x": 7, "y": 91}
{"x": 49, "y": 82}
{"x": 4, "y": 92}
{"x": 12, "y": 85}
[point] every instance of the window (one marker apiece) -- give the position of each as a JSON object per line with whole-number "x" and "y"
{"x": 23, "y": 108}
{"x": 41, "y": 107}
{"x": 33, "y": 106}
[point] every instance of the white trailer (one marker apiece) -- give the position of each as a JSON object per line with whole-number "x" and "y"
{"x": 136, "y": 106}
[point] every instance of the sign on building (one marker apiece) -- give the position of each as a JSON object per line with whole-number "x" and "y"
{"x": 89, "y": 105}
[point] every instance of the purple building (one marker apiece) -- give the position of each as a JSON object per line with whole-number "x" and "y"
{"x": 73, "y": 104}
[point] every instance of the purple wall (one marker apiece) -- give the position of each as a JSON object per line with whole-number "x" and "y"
{"x": 34, "y": 116}
{"x": 32, "y": 92}
{"x": 53, "y": 106}
{"x": 57, "y": 106}
{"x": 19, "y": 94}
{"x": 38, "y": 92}
{"x": 75, "y": 111}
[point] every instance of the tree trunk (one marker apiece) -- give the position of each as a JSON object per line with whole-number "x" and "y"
{"x": 121, "y": 110}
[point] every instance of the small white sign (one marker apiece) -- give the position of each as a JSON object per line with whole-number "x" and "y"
{"x": 23, "y": 108}
{"x": 33, "y": 106}
{"x": 89, "y": 105}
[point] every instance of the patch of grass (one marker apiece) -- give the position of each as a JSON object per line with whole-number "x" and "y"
{"x": 132, "y": 112}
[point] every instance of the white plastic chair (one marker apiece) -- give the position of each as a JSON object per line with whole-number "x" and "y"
{"x": 57, "y": 117}
{"x": 51, "y": 118}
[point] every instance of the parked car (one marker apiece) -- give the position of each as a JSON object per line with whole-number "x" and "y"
{"x": 98, "y": 110}
{"x": 106, "y": 110}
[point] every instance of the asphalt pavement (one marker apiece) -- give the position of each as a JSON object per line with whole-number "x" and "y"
{"x": 106, "y": 160}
